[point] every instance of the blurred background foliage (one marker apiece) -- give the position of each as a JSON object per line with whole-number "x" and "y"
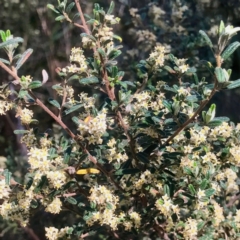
{"x": 172, "y": 23}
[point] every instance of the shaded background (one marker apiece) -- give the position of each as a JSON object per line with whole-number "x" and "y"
{"x": 173, "y": 23}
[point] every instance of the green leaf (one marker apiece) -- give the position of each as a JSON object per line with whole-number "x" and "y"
{"x": 117, "y": 37}
{"x": 71, "y": 200}
{"x": 210, "y": 113}
{"x": 130, "y": 83}
{"x": 230, "y": 49}
{"x": 234, "y": 84}
{"x": 188, "y": 170}
{"x": 88, "y": 36}
{"x": 20, "y": 131}
{"x": 209, "y": 192}
{"x": 110, "y": 10}
{"x": 69, "y": 7}
{"x": 35, "y": 84}
{"x": 192, "y": 189}
{"x": 127, "y": 171}
{"x": 50, "y": 6}
{"x": 114, "y": 54}
{"x": 166, "y": 190}
{"x": 169, "y": 69}
{"x": 74, "y": 77}
{"x": 89, "y": 80}
{"x": 23, "y": 58}
{"x": 223, "y": 119}
{"x": 54, "y": 103}
{"x": 221, "y": 27}
{"x": 7, "y": 176}
{"x": 203, "y": 184}
{"x": 102, "y": 52}
{"x": 22, "y": 93}
{"x": 72, "y": 109}
{"x": 206, "y": 38}
{"x": 219, "y": 73}
{"x": 3, "y": 35}
{"x": 76, "y": 120}
{"x": 200, "y": 225}
{"x": 4, "y": 61}
{"x": 167, "y": 105}
{"x": 67, "y": 155}
{"x": 11, "y": 42}
{"x": 215, "y": 123}
{"x": 143, "y": 157}
{"x": 60, "y": 18}
{"x": 192, "y": 98}
{"x": 57, "y": 87}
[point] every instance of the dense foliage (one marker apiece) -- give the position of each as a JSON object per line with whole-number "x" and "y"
{"x": 139, "y": 158}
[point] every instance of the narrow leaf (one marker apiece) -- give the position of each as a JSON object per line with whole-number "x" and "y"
{"x": 74, "y": 77}
{"x": 166, "y": 190}
{"x": 143, "y": 157}
{"x": 219, "y": 74}
{"x": 113, "y": 54}
{"x": 110, "y": 10}
{"x": 54, "y": 103}
{"x": 234, "y": 84}
{"x": 192, "y": 189}
{"x": 169, "y": 69}
{"x": 72, "y": 109}
{"x": 11, "y": 42}
{"x": 76, "y": 120}
{"x": 69, "y": 7}
{"x": 89, "y": 80}
{"x": 221, "y": 27}
{"x": 50, "y": 6}
{"x": 229, "y": 50}
{"x": 127, "y": 171}
{"x": 88, "y": 36}
{"x": 7, "y": 176}
{"x": 4, "y": 61}
{"x": 20, "y": 131}
{"x": 35, "y": 84}
{"x": 209, "y": 192}
{"x": 206, "y": 38}
{"x": 24, "y": 58}
{"x": 59, "y": 18}
{"x": 71, "y": 200}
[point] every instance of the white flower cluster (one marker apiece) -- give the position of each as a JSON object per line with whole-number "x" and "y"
{"x": 88, "y": 102}
{"x": 4, "y": 189}
{"x": 25, "y": 115}
{"x": 53, "y": 233}
{"x": 55, "y": 206}
{"x": 158, "y": 56}
{"x": 113, "y": 153}
{"x": 4, "y": 107}
{"x": 94, "y": 128}
{"x": 181, "y": 63}
{"x": 38, "y": 159}
{"x": 15, "y": 212}
{"x": 78, "y": 60}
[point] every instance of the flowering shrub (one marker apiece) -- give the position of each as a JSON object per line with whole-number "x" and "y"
{"x": 146, "y": 160}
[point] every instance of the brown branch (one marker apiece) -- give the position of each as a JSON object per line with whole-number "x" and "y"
{"x": 233, "y": 200}
{"x": 85, "y": 27}
{"x": 202, "y": 106}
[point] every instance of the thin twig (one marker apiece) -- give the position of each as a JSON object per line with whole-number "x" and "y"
{"x": 82, "y": 17}
{"x": 202, "y": 106}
